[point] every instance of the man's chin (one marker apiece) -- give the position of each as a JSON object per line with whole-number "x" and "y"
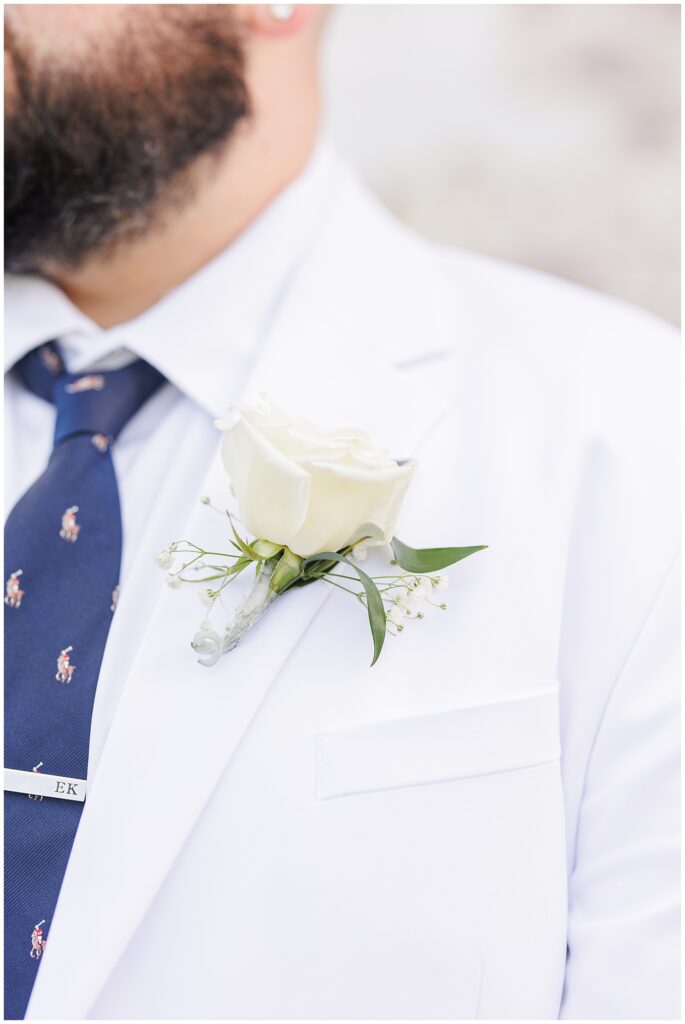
{"x": 91, "y": 156}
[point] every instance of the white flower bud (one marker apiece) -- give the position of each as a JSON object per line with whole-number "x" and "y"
{"x": 395, "y": 616}
{"x": 440, "y": 582}
{"x": 207, "y": 596}
{"x": 173, "y": 582}
{"x": 163, "y": 559}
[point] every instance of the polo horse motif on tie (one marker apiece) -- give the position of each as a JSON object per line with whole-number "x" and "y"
{"x": 50, "y": 360}
{"x": 13, "y": 592}
{"x": 91, "y": 382}
{"x": 36, "y": 768}
{"x": 37, "y": 941}
{"x": 65, "y": 669}
{"x": 70, "y": 528}
{"x": 101, "y": 442}
{"x": 101, "y": 405}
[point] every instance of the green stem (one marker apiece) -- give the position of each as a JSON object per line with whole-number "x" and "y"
{"x": 340, "y": 586}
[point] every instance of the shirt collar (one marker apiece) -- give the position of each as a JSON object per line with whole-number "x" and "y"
{"x": 203, "y": 333}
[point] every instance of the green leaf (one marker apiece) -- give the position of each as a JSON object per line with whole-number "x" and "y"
{"x": 374, "y": 601}
{"x": 265, "y": 549}
{"x": 238, "y": 566}
{"x": 429, "y": 559}
{"x": 248, "y": 551}
{"x": 288, "y": 569}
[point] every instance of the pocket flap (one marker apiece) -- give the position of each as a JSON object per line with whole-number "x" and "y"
{"x": 479, "y": 740}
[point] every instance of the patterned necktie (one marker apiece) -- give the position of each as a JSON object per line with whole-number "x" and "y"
{"x": 62, "y": 555}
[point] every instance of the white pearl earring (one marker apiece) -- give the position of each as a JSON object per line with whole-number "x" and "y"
{"x": 282, "y": 12}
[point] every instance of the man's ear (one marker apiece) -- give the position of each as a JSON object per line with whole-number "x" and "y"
{"x": 277, "y": 19}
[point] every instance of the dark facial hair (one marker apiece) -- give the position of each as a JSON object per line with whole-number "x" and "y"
{"x": 95, "y": 152}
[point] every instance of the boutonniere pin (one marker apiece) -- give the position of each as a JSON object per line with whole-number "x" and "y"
{"x": 312, "y": 503}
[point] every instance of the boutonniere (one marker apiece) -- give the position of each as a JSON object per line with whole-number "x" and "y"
{"x": 312, "y": 503}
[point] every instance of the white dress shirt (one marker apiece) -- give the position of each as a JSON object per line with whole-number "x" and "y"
{"x": 214, "y": 319}
{"x": 213, "y": 322}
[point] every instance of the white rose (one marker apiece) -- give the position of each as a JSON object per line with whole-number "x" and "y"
{"x": 308, "y": 488}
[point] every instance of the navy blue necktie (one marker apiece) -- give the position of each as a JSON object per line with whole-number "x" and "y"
{"x": 62, "y": 557}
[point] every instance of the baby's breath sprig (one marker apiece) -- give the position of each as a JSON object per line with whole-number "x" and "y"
{"x": 404, "y": 594}
{"x": 390, "y": 600}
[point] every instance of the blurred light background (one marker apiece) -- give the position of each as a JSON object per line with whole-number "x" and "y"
{"x": 544, "y": 134}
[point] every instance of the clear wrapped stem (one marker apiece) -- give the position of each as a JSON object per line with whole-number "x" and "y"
{"x": 250, "y": 611}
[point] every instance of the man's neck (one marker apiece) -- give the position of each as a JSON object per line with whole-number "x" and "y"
{"x": 230, "y": 193}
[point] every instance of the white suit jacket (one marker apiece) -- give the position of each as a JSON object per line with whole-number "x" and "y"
{"x": 485, "y": 823}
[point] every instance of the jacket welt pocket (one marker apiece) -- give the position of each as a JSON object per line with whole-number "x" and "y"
{"x": 463, "y": 743}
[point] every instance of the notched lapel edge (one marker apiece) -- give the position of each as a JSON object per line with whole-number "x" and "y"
{"x": 176, "y": 729}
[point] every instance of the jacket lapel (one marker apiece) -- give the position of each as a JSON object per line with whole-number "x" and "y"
{"x": 178, "y": 724}
{"x": 176, "y": 729}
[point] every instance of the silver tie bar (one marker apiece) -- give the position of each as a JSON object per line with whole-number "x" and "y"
{"x": 37, "y": 784}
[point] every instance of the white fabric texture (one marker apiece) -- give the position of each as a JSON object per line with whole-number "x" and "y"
{"x": 254, "y": 843}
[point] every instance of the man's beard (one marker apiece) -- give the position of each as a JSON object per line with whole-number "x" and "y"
{"x": 96, "y": 151}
